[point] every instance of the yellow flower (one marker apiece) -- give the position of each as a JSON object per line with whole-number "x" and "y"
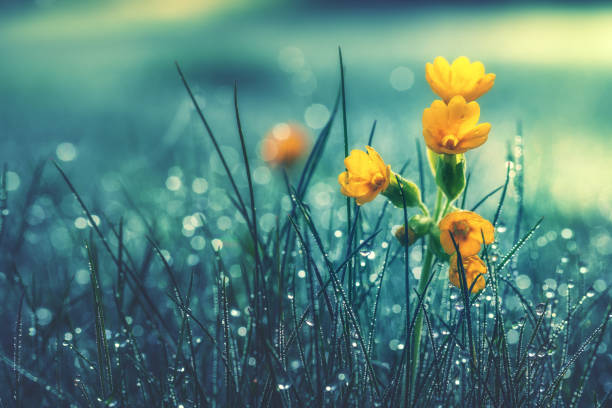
{"x": 284, "y": 144}
{"x": 366, "y": 175}
{"x": 399, "y": 231}
{"x": 466, "y": 227}
{"x": 454, "y": 128}
{"x": 473, "y": 266}
{"x": 461, "y": 78}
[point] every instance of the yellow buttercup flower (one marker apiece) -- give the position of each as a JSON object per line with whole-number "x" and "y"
{"x": 461, "y": 78}
{"x": 367, "y": 175}
{"x": 473, "y": 266}
{"x": 467, "y": 228}
{"x": 454, "y": 128}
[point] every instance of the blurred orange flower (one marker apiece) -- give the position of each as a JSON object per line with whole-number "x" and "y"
{"x": 461, "y": 78}
{"x": 454, "y": 128}
{"x": 473, "y": 266}
{"x": 284, "y": 144}
{"x": 366, "y": 175}
{"x": 466, "y": 227}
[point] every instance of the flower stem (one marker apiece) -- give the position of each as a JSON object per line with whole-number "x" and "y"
{"x": 446, "y": 208}
{"x": 424, "y": 209}
{"x": 426, "y": 271}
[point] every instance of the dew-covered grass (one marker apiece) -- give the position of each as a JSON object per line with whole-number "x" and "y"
{"x": 149, "y": 257}
{"x": 236, "y": 284}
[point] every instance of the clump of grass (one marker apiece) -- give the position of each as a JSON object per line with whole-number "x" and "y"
{"x": 304, "y": 314}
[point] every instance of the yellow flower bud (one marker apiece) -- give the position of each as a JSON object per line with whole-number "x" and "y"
{"x": 399, "y": 231}
{"x": 419, "y": 225}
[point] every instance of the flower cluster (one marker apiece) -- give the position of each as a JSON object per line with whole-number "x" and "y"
{"x": 450, "y": 128}
{"x": 466, "y": 232}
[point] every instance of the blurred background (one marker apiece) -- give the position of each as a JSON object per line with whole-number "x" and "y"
{"x": 93, "y": 85}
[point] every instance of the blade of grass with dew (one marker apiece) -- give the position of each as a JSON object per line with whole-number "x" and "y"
{"x": 17, "y": 346}
{"x": 502, "y": 198}
{"x": 338, "y": 288}
{"x": 519, "y": 168}
{"x": 504, "y": 261}
{"x": 599, "y": 331}
{"x": 499, "y": 324}
{"x": 485, "y": 198}
{"x": 351, "y": 265}
{"x": 214, "y": 142}
{"x": 104, "y": 361}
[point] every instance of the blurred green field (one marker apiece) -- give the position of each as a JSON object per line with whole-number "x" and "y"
{"x": 102, "y": 77}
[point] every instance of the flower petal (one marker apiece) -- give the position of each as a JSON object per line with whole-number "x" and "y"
{"x": 446, "y": 241}
{"x": 376, "y": 160}
{"x": 469, "y": 247}
{"x": 482, "y": 87}
{"x": 442, "y": 69}
{"x": 358, "y": 163}
{"x": 475, "y": 136}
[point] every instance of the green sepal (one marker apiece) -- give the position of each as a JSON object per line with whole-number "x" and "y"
{"x": 435, "y": 245}
{"x": 450, "y": 175}
{"x": 412, "y": 194}
{"x": 420, "y": 224}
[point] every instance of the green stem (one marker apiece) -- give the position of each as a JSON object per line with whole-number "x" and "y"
{"x": 438, "y": 206}
{"x": 425, "y": 273}
{"x": 424, "y": 209}
{"x": 446, "y": 208}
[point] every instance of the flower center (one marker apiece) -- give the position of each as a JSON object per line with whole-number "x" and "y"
{"x": 450, "y": 141}
{"x": 461, "y": 229}
{"x": 378, "y": 179}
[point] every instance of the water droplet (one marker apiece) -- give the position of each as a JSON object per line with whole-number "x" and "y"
{"x": 501, "y": 228}
{"x": 365, "y": 251}
{"x": 540, "y": 309}
{"x": 459, "y": 306}
{"x": 217, "y": 244}
{"x": 590, "y": 293}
